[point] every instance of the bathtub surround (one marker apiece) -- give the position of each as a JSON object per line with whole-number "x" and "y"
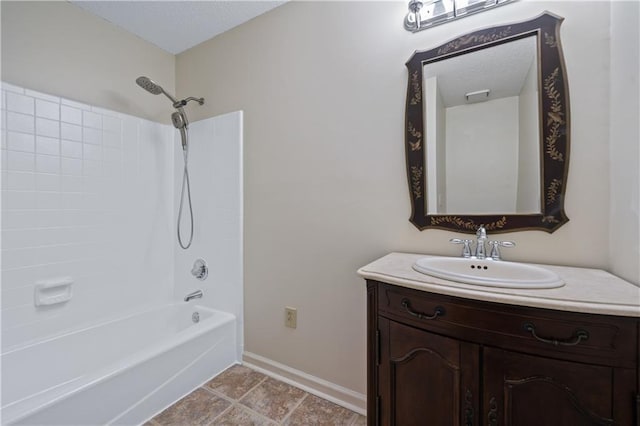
{"x": 215, "y": 166}
{"x": 87, "y": 193}
{"x": 88, "y": 197}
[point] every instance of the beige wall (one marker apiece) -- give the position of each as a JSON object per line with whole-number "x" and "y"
{"x": 323, "y": 87}
{"x": 57, "y": 48}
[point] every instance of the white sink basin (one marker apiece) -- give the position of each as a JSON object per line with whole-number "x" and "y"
{"x": 488, "y": 272}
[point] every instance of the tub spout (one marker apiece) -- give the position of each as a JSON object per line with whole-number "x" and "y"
{"x": 195, "y": 295}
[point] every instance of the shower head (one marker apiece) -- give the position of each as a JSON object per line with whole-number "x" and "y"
{"x": 155, "y": 89}
{"x": 147, "y": 84}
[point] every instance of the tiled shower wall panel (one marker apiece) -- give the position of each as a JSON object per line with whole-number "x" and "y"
{"x": 88, "y": 194}
{"x": 215, "y": 168}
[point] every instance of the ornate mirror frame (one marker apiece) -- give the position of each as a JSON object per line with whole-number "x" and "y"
{"x": 554, "y": 128}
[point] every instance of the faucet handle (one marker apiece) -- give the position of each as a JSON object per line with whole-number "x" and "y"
{"x": 200, "y": 269}
{"x": 466, "y": 248}
{"x": 495, "y": 248}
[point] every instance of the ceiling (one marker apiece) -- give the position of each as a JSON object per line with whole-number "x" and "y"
{"x": 502, "y": 69}
{"x": 176, "y": 26}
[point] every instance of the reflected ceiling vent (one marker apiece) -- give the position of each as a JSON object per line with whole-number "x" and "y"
{"x": 477, "y": 96}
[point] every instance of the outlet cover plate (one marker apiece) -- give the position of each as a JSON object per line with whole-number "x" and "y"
{"x": 290, "y": 317}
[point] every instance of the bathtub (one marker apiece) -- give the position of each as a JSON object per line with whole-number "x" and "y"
{"x": 119, "y": 372}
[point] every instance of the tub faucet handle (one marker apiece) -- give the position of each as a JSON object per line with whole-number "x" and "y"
{"x": 200, "y": 269}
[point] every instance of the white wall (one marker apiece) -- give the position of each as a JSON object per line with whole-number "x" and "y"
{"x": 435, "y": 143}
{"x": 322, "y": 86}
{"x": 529, "y": 150}
{"x": 625, "y": 141}
{"x": 441, "y": 152}
{"x": 482, "y": 156}
{"x": 431, "y": 133}
{"x": 215, "y": 169}
{"x": 86, "y": 193}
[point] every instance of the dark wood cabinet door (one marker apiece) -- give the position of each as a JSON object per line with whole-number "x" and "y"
{"x": 426, "y": 379}
{"x": 523, "y": 390}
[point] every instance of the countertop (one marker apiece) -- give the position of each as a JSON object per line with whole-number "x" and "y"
{"x": 586, "y": 290}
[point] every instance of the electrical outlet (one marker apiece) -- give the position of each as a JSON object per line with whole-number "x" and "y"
{"x": 290, "y": 317}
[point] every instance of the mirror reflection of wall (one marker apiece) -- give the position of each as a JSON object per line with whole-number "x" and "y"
{"x": 482, "y": 131}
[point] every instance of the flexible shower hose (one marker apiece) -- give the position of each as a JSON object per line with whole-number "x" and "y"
{"x": 185, "y": 183}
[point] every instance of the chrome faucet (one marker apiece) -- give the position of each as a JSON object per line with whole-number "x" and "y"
{"x": 481, "y": 234}
{"x": 495, "y": 248}
{"x": 480, "y": 252}
{"x": 466, "y": 248}
{"x": 195, "y": 295}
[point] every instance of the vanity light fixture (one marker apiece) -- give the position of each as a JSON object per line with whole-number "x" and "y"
{"x": 477, "y": 96}
{"x": 435, "y": 12}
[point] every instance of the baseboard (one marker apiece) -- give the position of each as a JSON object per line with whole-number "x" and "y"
{"x": 330, "y": 391}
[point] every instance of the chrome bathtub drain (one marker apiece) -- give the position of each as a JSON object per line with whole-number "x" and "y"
{"x": 195, "y": 317}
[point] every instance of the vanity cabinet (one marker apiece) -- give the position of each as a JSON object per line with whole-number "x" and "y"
{"x": 442, "y": 360}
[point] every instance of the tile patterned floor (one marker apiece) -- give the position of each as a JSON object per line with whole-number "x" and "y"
{"x": 241, "y": 396}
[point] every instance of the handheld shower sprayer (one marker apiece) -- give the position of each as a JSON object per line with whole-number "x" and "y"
{"x": 180, "y": 122}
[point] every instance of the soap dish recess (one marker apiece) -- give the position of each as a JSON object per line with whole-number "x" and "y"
{"x": 52, "y": 292}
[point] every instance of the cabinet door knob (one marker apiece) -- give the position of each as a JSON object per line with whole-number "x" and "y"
{"x": 439, "y": 311}
{"x": 572, "y": 341}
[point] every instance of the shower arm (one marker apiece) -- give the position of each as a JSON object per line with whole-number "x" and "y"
{"x": 183, "y": 102}
{"x": 180, "y": 103}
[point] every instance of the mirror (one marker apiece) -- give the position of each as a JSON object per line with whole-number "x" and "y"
{"x": 487, "y": 130}
{"x": 481, "y": 115}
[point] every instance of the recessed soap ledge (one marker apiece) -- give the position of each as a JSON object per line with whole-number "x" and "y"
{"x": 586, "y": 290}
